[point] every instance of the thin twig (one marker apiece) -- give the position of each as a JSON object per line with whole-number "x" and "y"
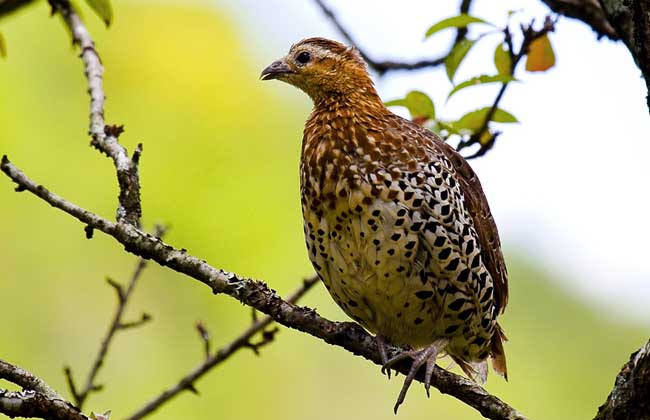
{"x": 204, "y": 334}
{"x": 116, "y": 324}
{"x": 380, "y": 67}
{"x": 258, "y": 295}
{"x": 268, "y": 335}
{"x": 243, "y": 341}
{"x": 530, "y": 35}
{"x": 144, "y": 318}
{"x": 104, "y": 137}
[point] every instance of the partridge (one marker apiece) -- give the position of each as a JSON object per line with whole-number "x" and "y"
{"x": 396, "y": 222}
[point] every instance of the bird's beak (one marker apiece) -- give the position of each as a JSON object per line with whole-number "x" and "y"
{"x": 275, "y": 70}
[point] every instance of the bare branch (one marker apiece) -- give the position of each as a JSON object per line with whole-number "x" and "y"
{"x": 630, "y": 395}
{"x": 104, "y": 137}
{"x": 630, "y": 398}
{"x": 380, "y": 67}
{"x": 144, "y": 318}
{"x": 588, "y": 11}
{"x": 26, "y": 380}
{"x": 631, "y": 19}
{"x": 257, "y": 294}
{"x": 187, "y": 382}
{"x": 267, "y": 337}
{"x": 37, "y": 399}
{"x": 204, "y": 334}
{"x": 36, "y": 404}
{"x": 117, "y": 324}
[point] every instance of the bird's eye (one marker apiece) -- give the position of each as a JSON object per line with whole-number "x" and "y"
{"x": 303, "y": 57}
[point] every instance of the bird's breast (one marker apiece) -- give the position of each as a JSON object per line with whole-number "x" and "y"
{"x": 365, "y": 245}
{"x": 389, "y": 234}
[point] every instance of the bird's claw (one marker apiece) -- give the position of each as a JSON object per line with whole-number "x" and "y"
{"x": 381, "y": 344}
{"x": 426, "y": 356}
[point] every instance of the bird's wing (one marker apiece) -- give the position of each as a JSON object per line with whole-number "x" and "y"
{"x": 484, "y": 223}
{"x": 475, "y": 202}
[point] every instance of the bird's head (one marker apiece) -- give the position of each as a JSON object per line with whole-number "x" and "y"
{"x": 322, "y": 68}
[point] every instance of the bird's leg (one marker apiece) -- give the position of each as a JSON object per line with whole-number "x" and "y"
{"x": 426, "y": 356}
{"x": 381, "y": 344}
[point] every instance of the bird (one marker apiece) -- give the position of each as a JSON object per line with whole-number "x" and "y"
{"x": 396, "y": 222}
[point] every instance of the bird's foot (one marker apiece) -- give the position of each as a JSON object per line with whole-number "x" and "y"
{"x": 426, "y": 356}
{"x": 381, "y": 344}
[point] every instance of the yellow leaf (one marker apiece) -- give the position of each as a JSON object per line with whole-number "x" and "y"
{"x": 540, "y": 55}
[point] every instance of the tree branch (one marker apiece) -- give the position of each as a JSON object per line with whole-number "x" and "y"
{"x": 123, "y": 296}
{"x": 630, "y": 398}
{"x": 380, "y": 67}
{"x": 243, "y": 341}
{"x": 257, "y": 295}
{"x": 104, "y": 137}
{"x": 631, "y": 19}
{"x": 35, "y": 404}
{"x": 626, "y": 20}
{"x": 588, "y": 11}
{"x": 37, "y": 399}
{"x": 26, "y": 380}
{"x": 41, "y": 401}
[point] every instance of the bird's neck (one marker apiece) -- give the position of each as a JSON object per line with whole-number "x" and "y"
{"x": 359, "y": 97}
{"x": 339, "y": 133}
{"x": 339, "y": 120}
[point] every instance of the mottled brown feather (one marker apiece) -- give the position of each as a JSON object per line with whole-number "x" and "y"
{"x": 484, "y": 223}
{"x": 396, "y": 221}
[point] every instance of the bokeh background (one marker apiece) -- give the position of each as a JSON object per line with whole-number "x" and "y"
{"x": 220, "y": 166}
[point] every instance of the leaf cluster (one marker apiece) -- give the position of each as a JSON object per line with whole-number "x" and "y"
{"x": 477, "y": 124}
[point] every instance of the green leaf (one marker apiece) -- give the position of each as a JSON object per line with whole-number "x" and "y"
{"x": 502, "y": 60}
{"x": 501, "y": 116}
{"x": 540, "y": 55}
{"x": 472, "y": 122}
{"x": 418, "y": 103}
{"x": 481, "y": 80}
{"x": 459, "y": 21}
{"x": 456, "y": 56}
{"x": 103, "y": 9}
{"x": 3, "y": 47}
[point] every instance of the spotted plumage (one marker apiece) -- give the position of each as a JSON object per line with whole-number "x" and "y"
{"x": 396, "y": 223}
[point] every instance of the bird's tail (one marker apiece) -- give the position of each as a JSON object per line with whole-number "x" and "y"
{"x": 477, "y": 371}
{"x": 496, "y": 352}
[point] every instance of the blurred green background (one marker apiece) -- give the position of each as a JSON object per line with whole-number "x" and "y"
{"x": 220, "y": 166}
